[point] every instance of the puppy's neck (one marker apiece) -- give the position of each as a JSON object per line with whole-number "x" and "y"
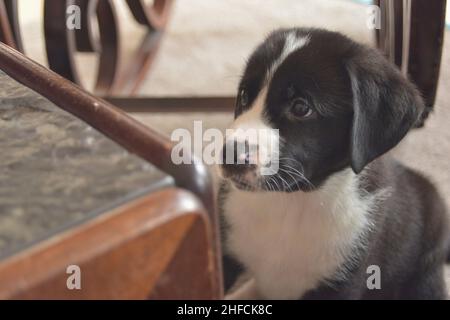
{"x": 340, "y": 190}
{"x": 292, "y": 242}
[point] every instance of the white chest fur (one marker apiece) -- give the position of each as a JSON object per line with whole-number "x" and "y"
{"x": 291, "y": 242}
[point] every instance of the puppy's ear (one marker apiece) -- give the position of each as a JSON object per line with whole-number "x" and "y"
{"x": 386, "y": 105}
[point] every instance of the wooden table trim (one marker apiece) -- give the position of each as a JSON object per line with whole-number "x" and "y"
{"x": 118, "y": 126}
{"x": 100, "y": 247}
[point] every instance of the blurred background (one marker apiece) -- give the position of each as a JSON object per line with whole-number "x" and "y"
{"x": 205, "y": 48}
{"x": 207, "y": 41}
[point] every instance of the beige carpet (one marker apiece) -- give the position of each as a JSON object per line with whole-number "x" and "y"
{"x": 208, "y": 42}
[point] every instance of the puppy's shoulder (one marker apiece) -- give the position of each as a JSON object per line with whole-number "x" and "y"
{"x": 414, "y": 199}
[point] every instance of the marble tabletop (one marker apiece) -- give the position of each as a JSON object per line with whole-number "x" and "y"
{"x": 56, "y": 171}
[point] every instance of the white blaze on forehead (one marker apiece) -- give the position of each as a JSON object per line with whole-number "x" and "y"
{"x": 253, "y": 118}
{"x": 292, "y": 43}
{"x": 252, "y": 127}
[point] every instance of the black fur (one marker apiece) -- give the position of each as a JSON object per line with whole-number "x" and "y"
{"x": 363, "y": 107}
{"x": 409, "y": 241}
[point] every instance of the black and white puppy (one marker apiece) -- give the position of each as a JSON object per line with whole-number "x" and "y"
{"x": 338, "y": 204}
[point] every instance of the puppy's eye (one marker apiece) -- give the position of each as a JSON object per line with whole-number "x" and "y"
{"x": 301, "y": 109}
{"x": 243, "y": 97}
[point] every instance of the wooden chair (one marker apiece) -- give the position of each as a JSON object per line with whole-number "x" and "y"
{"x": 118, "y": 78}
{"x": 149, "y": 231}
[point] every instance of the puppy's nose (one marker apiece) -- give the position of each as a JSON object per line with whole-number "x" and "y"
{"x": 239, "y": 155}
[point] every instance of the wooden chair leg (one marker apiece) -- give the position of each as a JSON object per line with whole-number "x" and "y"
{"x": 412, "y": 37}
{"x": 6, "y": 33}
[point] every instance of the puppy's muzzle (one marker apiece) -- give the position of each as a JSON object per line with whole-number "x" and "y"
{"x": 238, "y": 158}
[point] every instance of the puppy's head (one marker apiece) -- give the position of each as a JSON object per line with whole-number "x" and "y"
{"x": 333, "y": 102}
